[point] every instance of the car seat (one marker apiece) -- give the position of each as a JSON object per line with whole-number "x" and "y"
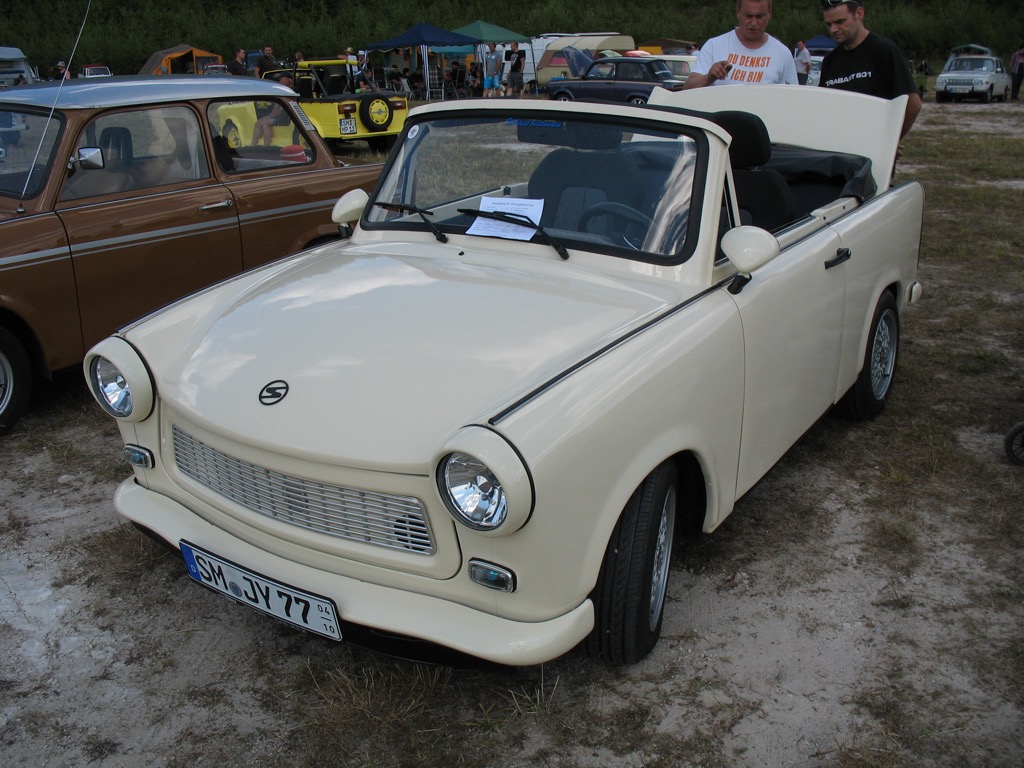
{"x": 764, "y": 198}
{"x": 114, "y": 176}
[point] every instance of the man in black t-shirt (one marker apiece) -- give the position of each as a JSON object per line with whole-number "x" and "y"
{"x": 266, "y": 62}
{"x": 237, "y": 65}
{"x": 864, "y": 61}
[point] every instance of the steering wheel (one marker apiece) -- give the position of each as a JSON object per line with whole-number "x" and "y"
{"x": 618, "y": 210}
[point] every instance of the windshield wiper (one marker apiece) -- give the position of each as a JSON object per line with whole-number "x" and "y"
{"x": 521, "y": 220}
{"x": 406, "y": 208}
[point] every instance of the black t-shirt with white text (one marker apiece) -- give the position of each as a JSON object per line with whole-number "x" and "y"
{"x": 876, "y": 67}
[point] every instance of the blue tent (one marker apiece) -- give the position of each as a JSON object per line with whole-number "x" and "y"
{"x": 424, "y": 36}
{"x": 820, "y": 43}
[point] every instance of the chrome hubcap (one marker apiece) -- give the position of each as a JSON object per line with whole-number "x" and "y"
{"x": 662, "y": 557}
{"x": 883, "y": 355}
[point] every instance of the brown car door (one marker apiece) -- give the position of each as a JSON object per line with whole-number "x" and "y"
{"x": 153, "y": 224}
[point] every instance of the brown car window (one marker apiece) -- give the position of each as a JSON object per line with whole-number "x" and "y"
{"x": 250, "y": 135}
{"x": 142, "y": 149}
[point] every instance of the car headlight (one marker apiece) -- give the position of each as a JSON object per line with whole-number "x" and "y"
{"x": 119, "y": 380}
{"x": 484, "y": 483}
{"x": 474, "y": 492}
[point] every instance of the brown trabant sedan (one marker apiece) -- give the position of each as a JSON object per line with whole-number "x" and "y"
{"x": 128, "y": 196}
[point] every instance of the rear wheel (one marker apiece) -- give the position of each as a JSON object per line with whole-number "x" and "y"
{"x": 15, "y": 380}
{"x": 866, "y": 398}
{"x": 563, "y": 97}
{"x": 638, "y": 100}
{"x": 629, "y": 598}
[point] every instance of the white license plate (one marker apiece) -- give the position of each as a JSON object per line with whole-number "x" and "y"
{"x": 959, "y": 89}
{"x": 348, "y": 125}
{"x": 294, "y": 606}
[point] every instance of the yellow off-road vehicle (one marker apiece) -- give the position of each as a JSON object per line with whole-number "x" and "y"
{"x": 342, "y": 111}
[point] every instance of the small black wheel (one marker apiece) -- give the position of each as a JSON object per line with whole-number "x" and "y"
{"x": 15, "y": 380}
{"x": 1014, "y": 444}
{"x": 638, "y": 100}
{"x": 866, "y": 398}
{"x": 629, "y": 598}
{"x": 563, "y": 97}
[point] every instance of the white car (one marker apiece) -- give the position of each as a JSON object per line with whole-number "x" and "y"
{"x": 973, "y": 77}
{"x": 482, "y": 419}
{"x": 814, "y": 76}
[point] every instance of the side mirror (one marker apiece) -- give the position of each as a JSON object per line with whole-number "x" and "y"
{"x": 348, "y": 209}
{"x": 749, "y": 248}
{"x": 89, "y": 159}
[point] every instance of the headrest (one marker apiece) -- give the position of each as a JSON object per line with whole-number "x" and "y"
{"x": 751, "y": 146}
{"x": 575, "y": 135}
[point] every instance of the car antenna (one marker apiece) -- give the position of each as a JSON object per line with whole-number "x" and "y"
{"x": 53, "y": 108}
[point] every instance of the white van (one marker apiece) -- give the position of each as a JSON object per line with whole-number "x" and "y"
{"x": 14, "y": 68}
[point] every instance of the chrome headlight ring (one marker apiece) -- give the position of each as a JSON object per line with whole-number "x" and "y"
{"x": 484, "y": 482}
{"x": 119, "y": 380}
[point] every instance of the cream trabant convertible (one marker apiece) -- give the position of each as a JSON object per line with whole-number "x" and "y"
{"x": 559, "y": 335}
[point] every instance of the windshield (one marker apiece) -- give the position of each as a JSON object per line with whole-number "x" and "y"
{"x": 22, "y": 136}
{"x": 612, "y": 188}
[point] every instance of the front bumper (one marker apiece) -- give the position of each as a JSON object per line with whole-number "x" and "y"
{"x": 432, "y": 619}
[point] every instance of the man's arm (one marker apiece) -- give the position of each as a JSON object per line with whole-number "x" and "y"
{"x": 913, "y": 109}
{"x": 719, "y": 71}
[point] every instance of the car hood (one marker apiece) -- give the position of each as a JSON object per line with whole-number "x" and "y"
{"x": 386, "y": 353}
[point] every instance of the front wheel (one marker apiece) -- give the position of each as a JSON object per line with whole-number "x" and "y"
{"x": 629, "y": 598}
{"x": 15, "y": 380}
{"x": 986, "y": 98}
{"x": 866, "y": 398}
{"x": 1014, "y": 444}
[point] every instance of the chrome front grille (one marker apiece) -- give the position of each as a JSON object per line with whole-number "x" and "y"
{"x": 960, "y": 81}
{"x": 381, "y": 519}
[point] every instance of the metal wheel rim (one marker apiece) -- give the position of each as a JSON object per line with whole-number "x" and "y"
{"x": 883, "y": 354}
{"x": 662, "y": 557}
{"x": 6, "y": 382}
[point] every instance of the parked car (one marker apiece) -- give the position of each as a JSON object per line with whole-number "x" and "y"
{"x": 125, "y": 200}
{"x": 623, "y": 78}
{"x": 340, "y": 111}
{"x": 973, "y": 77}
{"x": 94, "y": 70}
{"x": 216, "y": 69}
{"x": 551, "y": 343}
{"x": 814, "y": 76}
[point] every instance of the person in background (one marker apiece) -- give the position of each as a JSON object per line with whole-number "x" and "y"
{"x": 866, "y": 62}
{"x": 237, "y": 65}
{"x": 516, "y": 61}
{"x": 277, "y": 116}
{"x": 299, "y": 57}
{"x": 1017, "y": 71}
{"x": 266, "y": 62}
{"x": 492, "y": 71}
{"x": 745, "y": 55}
{"x": 62, "y": 71}
{"x": 802, "y": 59}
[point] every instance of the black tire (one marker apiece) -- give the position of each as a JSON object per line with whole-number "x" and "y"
{"x": 986, "y": 98}
{"x": 629, "y": 598}
{"x": 1014, "y": 444}
{"x": 382, "y": 143}
{"x": 15, "y": 380}
{"x": 638, "y": 101}
{"x": 562, "y": 97}
{"x": 866, "y": 398}
{"x": 376, "y": 113}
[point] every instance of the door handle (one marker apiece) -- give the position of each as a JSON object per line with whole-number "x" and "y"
{"x": 215, "y": 206}
{"x": 843, "y": 254}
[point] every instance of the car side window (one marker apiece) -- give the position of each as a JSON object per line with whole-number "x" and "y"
{"x": 141, "y": 149}
{"x": 629, "y": 70}
{"x": 250, "y": 134}
{"x": 601, "y": 72}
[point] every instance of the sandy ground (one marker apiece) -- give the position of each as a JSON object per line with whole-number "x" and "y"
{"x": 780, "y": 655}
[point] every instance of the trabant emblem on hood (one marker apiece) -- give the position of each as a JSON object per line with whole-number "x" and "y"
{"x": 274, "y": 392}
